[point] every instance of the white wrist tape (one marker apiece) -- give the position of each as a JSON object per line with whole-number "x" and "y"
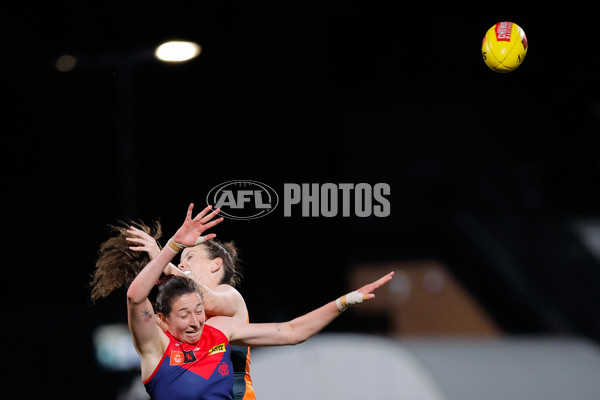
{"x": 349, "y": 299}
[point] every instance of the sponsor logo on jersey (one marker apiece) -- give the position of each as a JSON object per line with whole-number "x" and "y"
{"x": 182, "y": 357}
{"x": 220, "y": 348}
{"x": 176, "y": 358}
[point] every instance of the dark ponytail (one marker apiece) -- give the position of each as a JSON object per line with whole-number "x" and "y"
{"x": 229, "y": 254}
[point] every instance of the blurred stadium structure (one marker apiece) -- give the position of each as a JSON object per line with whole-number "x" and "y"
{"x": 353, "y": 367}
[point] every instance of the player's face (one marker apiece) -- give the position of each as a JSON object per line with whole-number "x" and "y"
{"x": 196, "y": 261}
{"x": 187, "y": 318}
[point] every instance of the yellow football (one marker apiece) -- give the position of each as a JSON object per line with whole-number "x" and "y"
{"x": 504, "y": 47}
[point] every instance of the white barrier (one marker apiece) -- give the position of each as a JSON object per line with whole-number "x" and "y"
{"x": 365, "y": 367}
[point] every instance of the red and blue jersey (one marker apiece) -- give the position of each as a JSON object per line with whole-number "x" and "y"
{"x": 242, "y": 382}
{"x": 194, "y": 372}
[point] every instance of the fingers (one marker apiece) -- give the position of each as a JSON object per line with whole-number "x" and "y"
{"x": 383, "y": 280}
{"x": 138, "y": 232}
{"x": 138, "y": 248}
{"x": 388, "y": 276}
{"x": 210, "y": 216}
{"x": 134, "y": 232}
{"x": 209, "y": 236}
{"x": 368, "y": 296}
{"x": 202, "y": 213}
{"x": 136, "y": 240}
{"x": 189, "y": 211}
{"x": 377, "y": 284}
{"x": 141, "y": 238}
{"x": 213, "y": 223}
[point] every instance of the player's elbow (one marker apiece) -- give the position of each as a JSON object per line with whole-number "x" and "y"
{"x": 299, "y": 340}
{"x": 294, "y": 339}
{"x": 134, "y": 296}
{"x": 296, "y": 336}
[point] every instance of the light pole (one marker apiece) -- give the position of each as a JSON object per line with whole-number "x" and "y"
{"x": 170, "y": 52}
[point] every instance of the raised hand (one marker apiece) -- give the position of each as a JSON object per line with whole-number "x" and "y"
{"x": 367, "y": 290}
{"x": 144, "y": 241}
{"x": 192, "y": 228}
{"x": 365, "y": 293}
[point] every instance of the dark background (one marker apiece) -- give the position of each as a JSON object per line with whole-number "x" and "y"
{"x": 488, "y": 172}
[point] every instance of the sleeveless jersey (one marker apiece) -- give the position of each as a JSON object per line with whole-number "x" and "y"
{"x": 194, "y": 372}
{"x": 242, "y": 383}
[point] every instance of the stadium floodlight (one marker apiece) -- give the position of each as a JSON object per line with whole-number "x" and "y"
{"x": 177, "y": 51}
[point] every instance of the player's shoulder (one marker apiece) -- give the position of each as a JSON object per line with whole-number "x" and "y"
{"x": 225, "y": 288}
{"x": 236, "y": 298}
{"x": 219, "y": 322}
{"x": 223, "y": 324}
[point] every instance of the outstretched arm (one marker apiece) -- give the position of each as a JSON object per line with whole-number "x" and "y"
{"x": 145, "y": 331}
{"x": 299, "y": 329}
{"x": 185, "y": 236}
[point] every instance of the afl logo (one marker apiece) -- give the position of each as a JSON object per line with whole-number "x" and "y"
{"x": 243, "y": 199}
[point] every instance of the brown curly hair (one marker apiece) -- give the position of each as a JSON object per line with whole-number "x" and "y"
{"x": 117, "y": 265}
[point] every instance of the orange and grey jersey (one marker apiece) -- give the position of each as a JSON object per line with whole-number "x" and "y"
{"x": 242, "y": 383}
